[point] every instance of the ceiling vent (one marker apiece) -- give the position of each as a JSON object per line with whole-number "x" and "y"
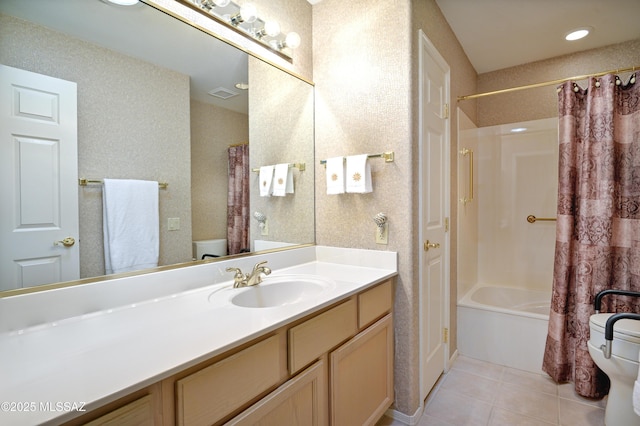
{"x": 223, "y": 93}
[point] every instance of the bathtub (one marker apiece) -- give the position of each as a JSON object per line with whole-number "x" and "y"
{"x": 504, "y": 325}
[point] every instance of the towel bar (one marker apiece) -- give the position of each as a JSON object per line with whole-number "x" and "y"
{"x": 388, "y": 156}
{"x": 85, "y": 182}
{"x": 300, "y": 166}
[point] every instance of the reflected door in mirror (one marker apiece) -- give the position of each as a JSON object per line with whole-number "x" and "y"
{"x": 38, "y": 184}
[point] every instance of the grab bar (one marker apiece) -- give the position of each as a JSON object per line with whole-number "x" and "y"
{"x": 532, "y": 219}
{"x": 608, "y": 330}
{"x": 469, "y": 152}
{"x": 598, "y": 300}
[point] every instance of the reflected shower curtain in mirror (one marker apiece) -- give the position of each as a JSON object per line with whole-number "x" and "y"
{"x": 598, "y": 221}
{"x": 238, "y": 199}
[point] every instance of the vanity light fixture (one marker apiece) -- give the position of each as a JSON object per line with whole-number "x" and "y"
{"x": 578, "y": 33}
{"x": 245, "y": 19}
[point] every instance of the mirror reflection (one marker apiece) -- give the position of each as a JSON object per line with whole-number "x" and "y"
{"x": 157, "y": 100}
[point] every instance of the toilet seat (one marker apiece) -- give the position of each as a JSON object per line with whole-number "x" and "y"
{"x": 626, "y": 336}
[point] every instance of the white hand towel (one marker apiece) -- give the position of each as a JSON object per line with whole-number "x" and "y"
{"x": 282, "y": 180}
{"x": 130, "y": 225}
{"x": 335, "y": 175}
{"x": 359, "y": 174}
{"x": 266, "y": 180}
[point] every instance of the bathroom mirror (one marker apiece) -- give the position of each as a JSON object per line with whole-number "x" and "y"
{"x": 145, "y": 112}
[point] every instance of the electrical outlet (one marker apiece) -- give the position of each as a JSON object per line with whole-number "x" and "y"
{"x": 173, "y": 223}
{"x": 382, "y": 234}
{"x": 265, "y": 228}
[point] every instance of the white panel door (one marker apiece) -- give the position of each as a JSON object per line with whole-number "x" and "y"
{"x": 38, "y": 179}
{"x": 434, "y": 211}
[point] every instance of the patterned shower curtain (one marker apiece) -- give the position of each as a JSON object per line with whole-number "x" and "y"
{"x": 238, "y": 199}
{"x": 598, "y": 221}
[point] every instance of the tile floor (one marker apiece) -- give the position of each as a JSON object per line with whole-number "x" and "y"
{"x": 480, "y": 393}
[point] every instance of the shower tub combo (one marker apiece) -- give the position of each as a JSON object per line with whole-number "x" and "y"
{"x": 504, "y": 325}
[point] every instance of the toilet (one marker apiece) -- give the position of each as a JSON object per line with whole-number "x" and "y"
{"x": 215, "y": 247}
{"x": 621, "y": 367}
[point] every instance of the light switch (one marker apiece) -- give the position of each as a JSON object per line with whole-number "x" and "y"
{"x": 174, "y": 223}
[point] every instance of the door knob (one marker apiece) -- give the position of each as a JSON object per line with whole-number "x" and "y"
{"x": 67, "y": 242}
{"x": 428, "y": 245}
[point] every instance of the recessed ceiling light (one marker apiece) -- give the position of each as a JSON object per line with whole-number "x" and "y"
{"x": 123, "y": 2}
{"x": 578, "y": 33}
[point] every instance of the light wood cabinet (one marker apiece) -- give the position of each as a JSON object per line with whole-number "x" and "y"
{"x": 361, "y": 377}
{"x": 207, "y": 396}
{"x": 332, "y": 367}
{"x": 318, "y": 335}
{"x": 302, "y": 401}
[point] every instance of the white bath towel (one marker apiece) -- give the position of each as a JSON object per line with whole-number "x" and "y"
{"x": 130, "y": 225}
{"x": 266, "y": 181}
{"x": 335, "y": 175}
{"x": 282, "y": 180}
{"x": 359, "y": 174}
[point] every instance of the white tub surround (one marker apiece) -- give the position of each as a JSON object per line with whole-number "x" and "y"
{"x": 91, "y": 344}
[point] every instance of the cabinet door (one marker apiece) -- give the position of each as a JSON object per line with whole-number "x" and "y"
{"x": 302, "y": 401}
{"x": 361, "y": 376}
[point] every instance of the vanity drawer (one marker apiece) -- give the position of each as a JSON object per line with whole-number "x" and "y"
{"x": 138, "y": 412}
{"x": 374, "y": 303}
{"x": 212, "y": 393}
{"x": 312, "y": 338}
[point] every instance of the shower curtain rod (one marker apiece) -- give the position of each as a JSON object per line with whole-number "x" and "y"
{"x": 547, "y": 83}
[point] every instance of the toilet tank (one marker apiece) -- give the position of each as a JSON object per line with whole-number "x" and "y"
{"x": 217, "y": 247}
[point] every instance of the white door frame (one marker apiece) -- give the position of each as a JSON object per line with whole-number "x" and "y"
{"x": 425, "y": 44}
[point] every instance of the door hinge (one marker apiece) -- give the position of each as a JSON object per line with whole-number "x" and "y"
{"x": 445, "y": 337}
{"x": 446, "y": 224}
{"x": 446, "y": 111}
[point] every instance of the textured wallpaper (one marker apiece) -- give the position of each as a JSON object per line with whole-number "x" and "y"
{"x": 213, "y": 130}
{"x": 281, "y": 131}
{"x": 133, "y": 122}
{"x": 533, "y": 104}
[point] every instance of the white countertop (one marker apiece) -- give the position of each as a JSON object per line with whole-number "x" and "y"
{"x": 91, "y": 359}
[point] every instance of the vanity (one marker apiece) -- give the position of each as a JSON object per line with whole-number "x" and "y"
{"x": 312, "y": 344}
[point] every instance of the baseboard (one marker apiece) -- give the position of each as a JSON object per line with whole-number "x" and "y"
{"x": 411, "y": 420}
{"x": 452, "y": 359}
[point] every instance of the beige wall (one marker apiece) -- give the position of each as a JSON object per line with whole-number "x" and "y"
{"x": 538, "y": 103}
{"x": 281, "y": 131}
{"x": 365, "y": 71}
{"x": 127, "y": 128}
{"x": 213, "y": 130}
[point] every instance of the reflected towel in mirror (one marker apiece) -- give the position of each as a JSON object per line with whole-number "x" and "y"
{"x": 265, "y": 180}
{"x": 130, "y": 225}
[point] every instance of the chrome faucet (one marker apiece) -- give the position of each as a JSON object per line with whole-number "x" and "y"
{"x": 246, "y": 280}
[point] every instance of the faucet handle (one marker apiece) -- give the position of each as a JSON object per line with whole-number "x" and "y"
{"x": 238, "y": 277}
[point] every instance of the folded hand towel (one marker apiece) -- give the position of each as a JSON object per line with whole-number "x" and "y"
{"x": 335, "y": 175}
{"x": 282, "y": 180}
{"x": 130, "y": 225}
{"x": 359, "y": 174}
{"x": 266, "y": 180}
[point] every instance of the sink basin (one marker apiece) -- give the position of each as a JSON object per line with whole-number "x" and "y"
{"x": 281, "y": 290}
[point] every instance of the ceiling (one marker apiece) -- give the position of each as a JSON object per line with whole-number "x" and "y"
{"x": 497, "y": 34}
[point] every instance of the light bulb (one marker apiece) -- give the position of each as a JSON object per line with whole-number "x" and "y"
{"x": 248, "y": 13}
{"x": 292, "y": 40}
{"x": 221, "y": 3}
{"x": 272, "y": 28}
